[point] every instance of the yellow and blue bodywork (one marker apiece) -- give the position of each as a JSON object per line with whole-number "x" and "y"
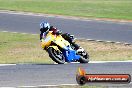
{"x": 69, "y": 53}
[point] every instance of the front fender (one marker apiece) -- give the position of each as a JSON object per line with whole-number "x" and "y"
{"x": 55, "y": 47}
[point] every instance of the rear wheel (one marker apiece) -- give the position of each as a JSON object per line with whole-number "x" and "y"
{"x": 56, "y": 55}
{"x": 84, "y": 57}
{"x": 83, "y": 54}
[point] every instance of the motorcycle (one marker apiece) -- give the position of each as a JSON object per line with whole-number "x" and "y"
{"x": 61, "y": 51}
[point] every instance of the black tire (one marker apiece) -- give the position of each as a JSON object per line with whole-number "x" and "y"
{"x": 84, "y": 59}
{"x": 81, "y": 80}
{"x": 54, "y": 57}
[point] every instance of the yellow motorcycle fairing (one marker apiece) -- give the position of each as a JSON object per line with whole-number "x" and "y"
{"x": 59, "y": 40}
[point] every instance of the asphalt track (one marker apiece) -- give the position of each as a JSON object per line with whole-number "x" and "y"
{"x": 54, "y": 74}
{"x": 90, "y": 29}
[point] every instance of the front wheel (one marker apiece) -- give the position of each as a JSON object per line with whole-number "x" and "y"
{"x": 56, "y": 55}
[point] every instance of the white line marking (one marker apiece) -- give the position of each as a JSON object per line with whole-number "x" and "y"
{"x": 15, "y": 32}
{"x": 24, "y": 33}
{"x": 105, "y": 41}
{"x": 26, "y": 86}
{"x": 34, "y": 34}
{"x": 68, "y": 84}
{"x": 109, "y": 61}
{"x": 4, "y": 31}
{"x": 90, "y": 39}
{"x": 78, "y": 62}
{"x": 47, "y": 85}
{"x": 6, "y": 64}
{"x": 51, "y": 85}
{"x": 118, "y": 42}
{"x": 7, "y": 87}
{"x": 108, "y": 41}
{"x": 20, "y": 33}
{"x": 99, "y": 40}
{"x": 127, "y": 43}
{"x": 127, "y": 61}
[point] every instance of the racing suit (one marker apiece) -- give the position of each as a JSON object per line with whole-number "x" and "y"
{"x": 66, "y": 36}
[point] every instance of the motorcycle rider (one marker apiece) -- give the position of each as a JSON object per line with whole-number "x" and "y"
{"x": 45, "y": 28}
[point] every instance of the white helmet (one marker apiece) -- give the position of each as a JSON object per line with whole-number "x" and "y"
{"x": 45, "y": 26}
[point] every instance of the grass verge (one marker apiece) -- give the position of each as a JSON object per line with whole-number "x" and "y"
{"x": 25, "y": 48}
{"x": 117, "y": 9}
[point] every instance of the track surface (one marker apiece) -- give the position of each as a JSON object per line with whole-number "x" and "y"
{"x": 52, "y": 74}
{"x": 98, "y": 30}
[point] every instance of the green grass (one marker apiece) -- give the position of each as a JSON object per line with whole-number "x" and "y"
{"x": 19, "y": 48}
{"x": 100, "y": 51}
{"x": 116, "y": 9}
